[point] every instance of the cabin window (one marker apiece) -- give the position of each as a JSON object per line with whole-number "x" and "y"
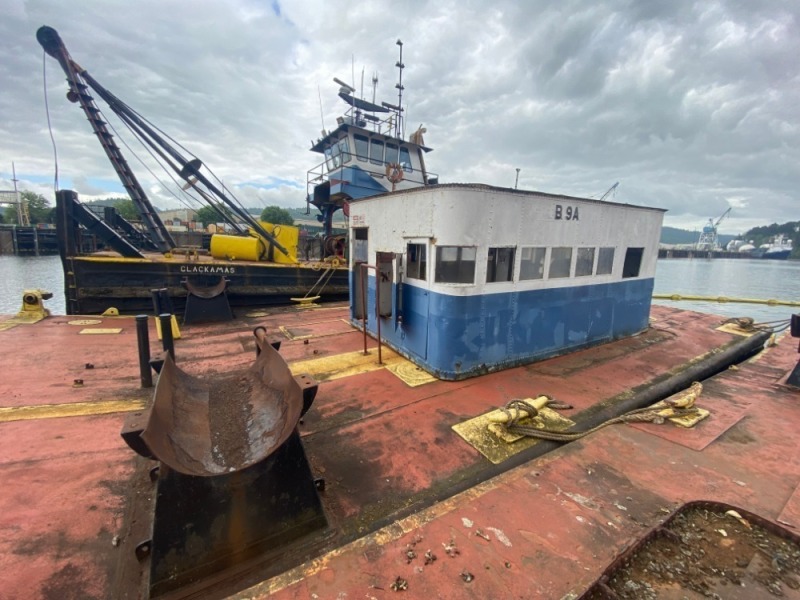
{"x": 328, "y": 160}
{"x": 360, "y": 247}
{"x": 500, "y": 265}
{"x": 344, "y": 150}
{"x": 391, "y": 153}
{"x": 584, "y": 262}
{"x": 531, "y": 263}
{"x": 416, "y": 261}
{"x": 405, "y": 159}
{"x": 560, "y": 262}
{"x": 376, "y": 152}
{"x": 605, "y": 261}
{"x": 335, "y": 158}
{"x": 455, "y": 264}
{"x": 362, "y": 147}
{"x": 633, "y": 262}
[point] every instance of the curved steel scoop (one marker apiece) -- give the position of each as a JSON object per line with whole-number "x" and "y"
{"x": 215, "y": 426}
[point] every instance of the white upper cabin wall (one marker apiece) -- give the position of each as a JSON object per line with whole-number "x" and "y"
{"x": 493, "y": 218}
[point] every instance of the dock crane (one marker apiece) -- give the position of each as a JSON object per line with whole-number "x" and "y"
{"x": 611, "y": 189}
{"x": 708, "y": 237}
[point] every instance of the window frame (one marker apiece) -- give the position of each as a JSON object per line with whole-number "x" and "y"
{"x": 632, "y": 254}
{"x": 554, "y": 252}
{"x": 579, "y": 263}
{"x": 410, "y": 271}
{"x": 373, "y": 143}
{"x": 493, "y": 255}
{"x": 602, "y": 263}
{"x": 357, "y": 137}
{"x": 543, "y": 264}
{"x": 459, "y": 269}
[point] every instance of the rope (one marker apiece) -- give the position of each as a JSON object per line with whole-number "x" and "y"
{"x": 649, "y": 414}
{"x": 49, "y": 124}
{"x": 329, "y": 272}
{"x": 749, "y": 324}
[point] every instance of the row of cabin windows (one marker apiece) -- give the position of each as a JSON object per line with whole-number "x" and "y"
{"x": 456, "y": 264}
{"x": 379, "y": 153}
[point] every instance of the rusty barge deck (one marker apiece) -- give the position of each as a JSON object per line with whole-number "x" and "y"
{"x": 76, "y": 501}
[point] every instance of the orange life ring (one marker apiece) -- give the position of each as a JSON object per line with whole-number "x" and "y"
{"x": 394, "y": 172}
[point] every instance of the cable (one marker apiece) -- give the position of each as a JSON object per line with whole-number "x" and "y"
{"x": 49, "y": 125}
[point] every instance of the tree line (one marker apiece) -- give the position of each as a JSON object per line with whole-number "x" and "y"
{"x": 40, "y": 211}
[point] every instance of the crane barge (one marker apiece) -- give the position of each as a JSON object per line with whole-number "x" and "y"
{"x": 257, "y": 266}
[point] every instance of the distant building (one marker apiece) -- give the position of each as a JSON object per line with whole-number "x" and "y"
{"x": 181, "y": 219}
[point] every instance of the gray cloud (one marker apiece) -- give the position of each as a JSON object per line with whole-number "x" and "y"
{"x": 691, "y": 106}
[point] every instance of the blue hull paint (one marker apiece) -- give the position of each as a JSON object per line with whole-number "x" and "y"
{"x": 356, "y": 183}
{"x": 455, "y": 337}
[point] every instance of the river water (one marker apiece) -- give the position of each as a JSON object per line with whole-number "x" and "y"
{"x": 733, "y": 278}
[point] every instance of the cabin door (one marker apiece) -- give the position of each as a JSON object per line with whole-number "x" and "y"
{"x": 414, "y": 295}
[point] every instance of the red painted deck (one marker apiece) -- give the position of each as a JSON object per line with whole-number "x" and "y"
{"x": 397, "y": 476}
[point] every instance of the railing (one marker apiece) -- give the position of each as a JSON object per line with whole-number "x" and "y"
{"x": 321, "y": 172}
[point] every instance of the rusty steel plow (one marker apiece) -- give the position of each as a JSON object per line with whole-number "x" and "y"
{"x": 233, "y": 483}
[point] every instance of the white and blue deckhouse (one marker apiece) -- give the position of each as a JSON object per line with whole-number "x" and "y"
{"x": 475, "y": 278}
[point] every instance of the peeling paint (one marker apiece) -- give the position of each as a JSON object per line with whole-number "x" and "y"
{"x": 501, "y": 536}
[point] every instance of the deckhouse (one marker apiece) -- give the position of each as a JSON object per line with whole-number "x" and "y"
{"x": 473, "y": 278}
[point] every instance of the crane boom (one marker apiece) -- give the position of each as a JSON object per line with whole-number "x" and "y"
{"x": 611, "y": 189}
{"x": 78, "y": 92}
{"x": 188, "y": 169}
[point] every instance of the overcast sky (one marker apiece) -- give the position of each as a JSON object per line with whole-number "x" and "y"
{"x": 690, "y": 106}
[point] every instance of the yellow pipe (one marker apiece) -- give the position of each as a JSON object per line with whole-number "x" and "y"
{"x": 723, "y": 299}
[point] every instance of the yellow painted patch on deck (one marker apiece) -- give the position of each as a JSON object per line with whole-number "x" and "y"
{"x": 337, "y": 366}
{"x": 690, "y": 420}
{"x": 293, "y": 336}
{"x": 20, "y": 319}
{"x": 307, "y": 330}
{"x": 72, "y": 409}
{"x": 176, "y": 331}
{"x": 100, "y": 331}
{"x": 735, "y": 329}
{"x": 411, "y": 374}
{"x": 85, "y": 322}
{"x": 476, "y": 432}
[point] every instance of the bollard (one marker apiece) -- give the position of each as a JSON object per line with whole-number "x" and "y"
{"x": 166, "y": 333}
{"x": 143, "y": 337}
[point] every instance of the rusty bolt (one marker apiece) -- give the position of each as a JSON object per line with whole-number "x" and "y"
{"x": 400, "y": 584}
{"x": 89, "y": 366}
{"x": 467, "y": 576}
{"x": 77, "y": 383}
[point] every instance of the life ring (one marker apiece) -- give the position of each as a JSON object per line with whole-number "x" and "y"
{"x": 394, "y": 172}
{"x": 335, "y": 262}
